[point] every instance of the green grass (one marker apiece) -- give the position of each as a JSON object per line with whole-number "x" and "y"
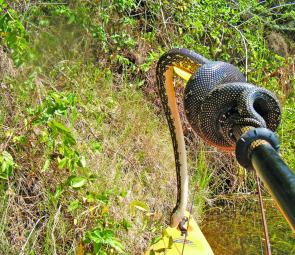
{"x": 93, "y": 165}
{"x": 287, "y": 133}
{"x": 124, "y": 161}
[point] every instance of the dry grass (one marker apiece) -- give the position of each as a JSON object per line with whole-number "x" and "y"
{"x": 6, "y": 64}
{"x": 136, "y": 159}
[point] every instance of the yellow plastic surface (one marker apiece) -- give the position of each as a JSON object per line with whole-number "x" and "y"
{"x": 183, "y": 74}
{"x": 172, "y": 242}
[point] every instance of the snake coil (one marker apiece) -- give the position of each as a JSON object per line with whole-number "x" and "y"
{"x": 217, "y": 98}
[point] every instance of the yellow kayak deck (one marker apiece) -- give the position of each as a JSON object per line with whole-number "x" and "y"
{"x": 172, "y": 242}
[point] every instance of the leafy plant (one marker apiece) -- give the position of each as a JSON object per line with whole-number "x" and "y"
{"x": 58, "y": 137}
{"x": 13, "y": 33}
{"x": 77, "y": 182}
{"x": 7, "y": 165}
{"x": 102, "y": 236}
{"x": 55, "y": 104}
{"x": 103, "y": 239}
{"x": 90, "y": 136}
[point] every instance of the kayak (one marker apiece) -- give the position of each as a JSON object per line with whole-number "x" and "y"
{"x": 173, "y": 242}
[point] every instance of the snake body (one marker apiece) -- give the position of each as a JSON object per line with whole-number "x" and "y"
{"x": 216, "y": 98}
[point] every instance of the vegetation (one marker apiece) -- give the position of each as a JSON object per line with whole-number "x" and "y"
{"x": 86, "y": 164}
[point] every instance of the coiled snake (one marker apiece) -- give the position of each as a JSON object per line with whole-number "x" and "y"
{"x": 216, "y": 99}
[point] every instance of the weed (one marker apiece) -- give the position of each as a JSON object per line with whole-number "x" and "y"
{"x": 13, "y": 33}
{"x": 82, "y": 150}
{"x": 7, "y": 165}
{"x": 201, "y": 181}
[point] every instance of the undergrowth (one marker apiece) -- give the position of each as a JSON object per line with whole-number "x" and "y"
{"x": 86, "y": 161}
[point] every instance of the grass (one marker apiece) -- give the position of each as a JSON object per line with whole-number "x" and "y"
{"x": 127, "y": 149}
{"x": 93, "y": 167}
{"x": 125, "y": 159}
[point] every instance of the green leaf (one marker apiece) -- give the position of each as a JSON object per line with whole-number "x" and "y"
{"x": 97, "y": 146}
{"x": 46, "y": 165}
{"x": 82, "y": 162}
{"x": 123, "y": 193}
{"x": 156, "y": 239}
{"x": 57, "y": 194}
{"x": 97, "y": 249}
{"x": 69, "y": 139}
{"x": 77, "y": 181}
{"x": 90, "y": 198}
{"x": 75, "y": 204}
{"x": 59, "y": 127}
{"x": 135, "y": 204}
{"x": 20, "y": 139}
{"x": 92, "y": 177}
{"x": 117, "y": 245}
{"x": 7, "y": 165}
{"x": 62, "y": 163}
{"x": 104, "y": 197}
{"x": 126, "y": 224}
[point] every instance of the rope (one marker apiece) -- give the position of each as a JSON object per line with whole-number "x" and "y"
{"x": 265, "y": 229}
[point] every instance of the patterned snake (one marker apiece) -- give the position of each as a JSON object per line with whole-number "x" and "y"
{"x": 216, "y": 99}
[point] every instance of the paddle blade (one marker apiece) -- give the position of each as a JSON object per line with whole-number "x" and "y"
{"x": 183, "y": 74}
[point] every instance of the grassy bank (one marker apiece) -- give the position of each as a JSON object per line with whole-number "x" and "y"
{"x": 86, "y": 159}
{"x": 80, "y": 167}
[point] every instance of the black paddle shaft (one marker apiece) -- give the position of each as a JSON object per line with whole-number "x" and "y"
{"x": 277, "y": 177}
{"x": 258, "y": 149}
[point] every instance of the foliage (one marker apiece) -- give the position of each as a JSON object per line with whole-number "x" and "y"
{"x": 58, "y": 137}
{"x": 287, "y": 133}
{"x": 87, "y": 142}
{"x": 201, "y": 181}
{"x": 7, "y": 165}
{"x": 54, "y": 105}
{"x": 13, "y": 33}
{"x": 102, "y": 239}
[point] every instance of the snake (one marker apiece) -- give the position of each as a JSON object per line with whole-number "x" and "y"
{"x": 216, "y": 99}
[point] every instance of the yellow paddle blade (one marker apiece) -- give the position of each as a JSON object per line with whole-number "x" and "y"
{"x": 183, "y": 74}
{"x": 171, "y": 242}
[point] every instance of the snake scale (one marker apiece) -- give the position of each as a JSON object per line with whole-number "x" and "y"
{"x": 216, "y": 98}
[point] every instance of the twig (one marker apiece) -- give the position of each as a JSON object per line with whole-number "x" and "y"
{"x": 282, "y": 5}
{"x": 164, "y": 21}
{"x": 272, "y": 8}
{"x": 163, "y": 17}
{"x": 53, "y": 229}
{"x": 31, "y": 232}
{"x": 38, "y": 90}
{"x": 245, "y": 46}
{"x": 265, "y": 230}
{"x": 4, "y": 146}
{"x": 88, "y": 210}
{"x": 51, "y": 3}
